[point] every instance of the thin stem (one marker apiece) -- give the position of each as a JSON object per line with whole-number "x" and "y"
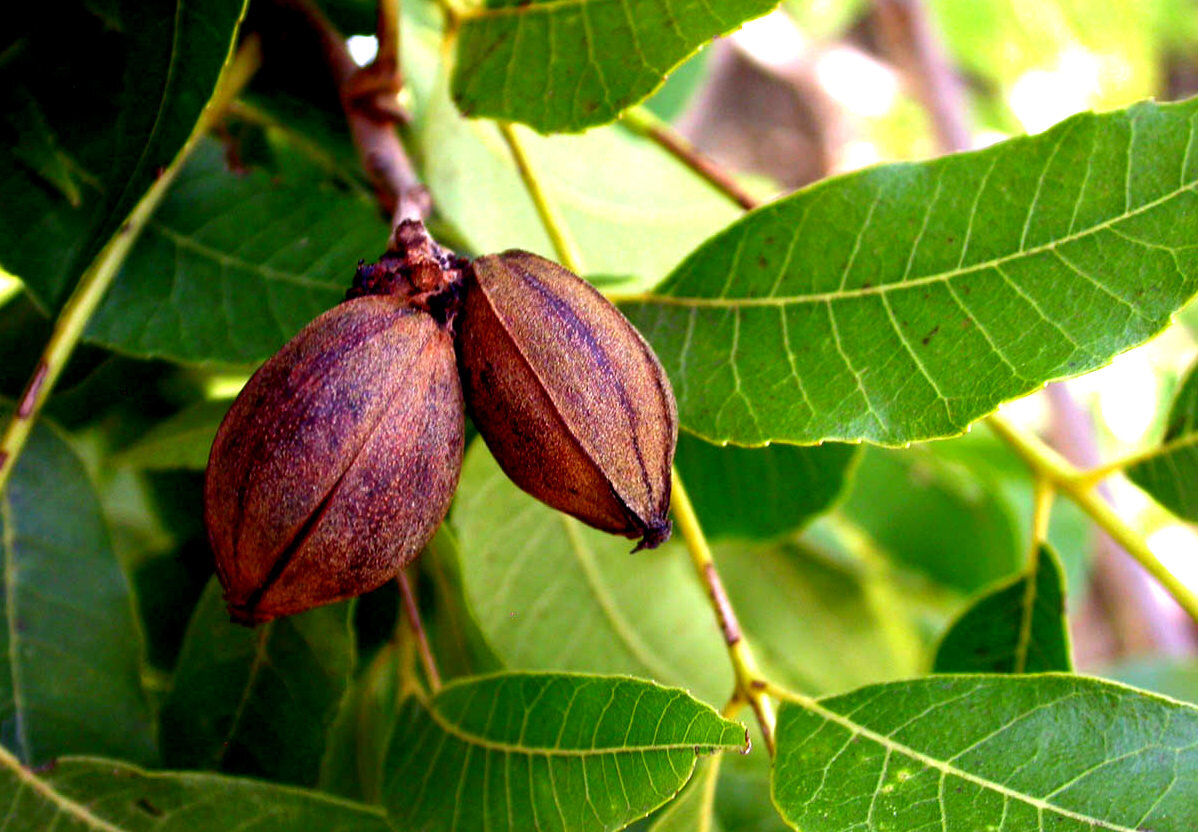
{"x": 750, "y": 684}
{"x": 642, "y": 121}
{"x": 369, "y": 97}
{"x": 1042, "y": 499}
{"x": 1051, "y": 466}
{"x": 1095, "y": 475}
{"x": 94, "y": 282}
{"x": 387, "y": 33}
{"x": 427, "y": 660}
{"x": 555, "y": 226}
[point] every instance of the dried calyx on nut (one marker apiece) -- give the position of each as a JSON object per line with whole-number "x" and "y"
{"x": 339, "y": 459}
{"x": 568, "y": 396}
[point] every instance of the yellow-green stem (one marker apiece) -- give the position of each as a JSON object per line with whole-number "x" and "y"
{"x": 95, "y": 281}
{"x": 1095, "y": 475}
{"x": 555, "y": 227}
{"x": 1051, "y": 466}
{"x": 1043, "y": 495}
{"x": 750, "y": 684}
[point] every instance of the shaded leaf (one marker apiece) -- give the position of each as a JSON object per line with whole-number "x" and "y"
{"x": 546, "y": 750}
{"x": 905, "y": 301}
{"x": 694, "y": 809}
{"x": 552, "y": 594}
{"x": 760, "y": 493}
{"x": 806, "y": 615}
{"x": 87, "y": 793}
{"x": 358, "y": 738}
{"x": 70, "y": 680}
{"x": 106, "y": 96}
{"x": 233, "y": 264}
{"x": 257, "y": 701}
{"x": 458, "y": 643}
{"x": 180, "y": 441}
{"x": 655, "y": 207}
{"x": 565, "y": 66}
{"x": 1000, "y": 471}
{"x": 1054, "y": 752}
{"x": 1017, "y": 627}
{"x": 743, "y": 793}
{"x": 1170, "y": 472}
{"x": 936, "y": 515}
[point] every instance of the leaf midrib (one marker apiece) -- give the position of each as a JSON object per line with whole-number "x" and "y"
{"x": 627, "y": 633}
{"x": 65, "y": 804}
{"x": 946, "y": 768}
{"x": 10, "y": 543}
{"x": 883, "y": 288}
{"x": 513, "y": 748}
{"x": 228, "y": 260}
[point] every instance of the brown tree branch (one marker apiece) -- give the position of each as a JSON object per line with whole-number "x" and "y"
{"x": 918, "y": 52}
{"x": 369, "y": 97}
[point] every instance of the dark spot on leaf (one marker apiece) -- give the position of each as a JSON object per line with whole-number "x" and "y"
{"x": 966, "y": 323}
{"x": 867, "y": 284}
{"x": 762, "y": 262}
{"x": 769, "y": 241}
{"x": 931, "y": 334}
{"x": 951, "y": 240}
{"x": 149, "y": 808}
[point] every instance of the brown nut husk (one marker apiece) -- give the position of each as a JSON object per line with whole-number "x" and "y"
{"x": 337, "y": 462}
{"x": 568, "y": 396}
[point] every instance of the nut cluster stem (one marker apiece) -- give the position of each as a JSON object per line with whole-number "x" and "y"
{"x": 751, "y": 685}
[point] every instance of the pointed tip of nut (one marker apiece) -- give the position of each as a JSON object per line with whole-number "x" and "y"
{"x": 246, "y": 615}
{"x": 654, "y": 536}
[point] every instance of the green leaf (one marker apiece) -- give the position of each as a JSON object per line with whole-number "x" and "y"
{"x": 180, "y": 441}
{"x": 565, "y": 66}
{"x": 546, "y": 750}
{"x": 905, "y": 301}
{"x": 761, "y": 493}
{"x": 87, "y": 793}
{"x": 233, "y": 264}
{"x": 358, "y": 738}
{"x": 458, "y": 643}
{"x": 936, "y": 515}
{"x": 552, "y": 594}
{"x": 999, "y": 471}
{"x": 100, "y": 98}
{"x": 70, "y": 681}
{"x": 694, "y": 809}
{"x": 805, "y": 615}
{"x": 1017, "y": 627}
{"x": 257, "y": 701}
{"x": 1044, "y": 752}
{"x": 1171, "y": 470}
{"x": 656, "y": 208}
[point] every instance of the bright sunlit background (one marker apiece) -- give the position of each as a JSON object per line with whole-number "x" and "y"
{"x": 1026, "y": 65}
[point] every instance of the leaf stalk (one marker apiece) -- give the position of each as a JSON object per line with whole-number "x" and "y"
{"x": 1068, "y": 480}
{"x": 559, "y": 233}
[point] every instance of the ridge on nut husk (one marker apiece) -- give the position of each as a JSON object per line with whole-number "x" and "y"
{"x": 568, "y": 396}
{"x": 339, "y": 459}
